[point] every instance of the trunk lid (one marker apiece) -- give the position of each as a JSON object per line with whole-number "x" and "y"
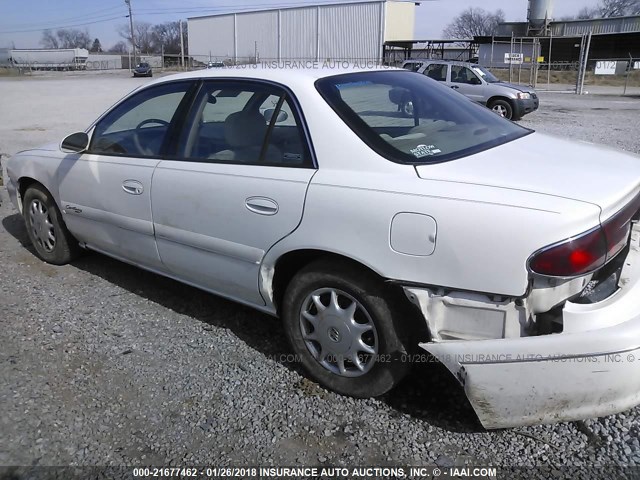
{"x": 549, "y": 165}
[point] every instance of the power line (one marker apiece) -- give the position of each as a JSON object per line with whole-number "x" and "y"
{"x": 64, "y": 26}
{"x": 91, "y": 14}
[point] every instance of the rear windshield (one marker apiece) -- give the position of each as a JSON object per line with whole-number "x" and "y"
{"x": 410, "y": 118}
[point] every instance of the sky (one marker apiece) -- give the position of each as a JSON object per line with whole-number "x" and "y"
{"x": 22, "y": 22}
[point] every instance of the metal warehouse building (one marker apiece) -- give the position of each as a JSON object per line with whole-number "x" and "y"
{"x": 347, "y": 31}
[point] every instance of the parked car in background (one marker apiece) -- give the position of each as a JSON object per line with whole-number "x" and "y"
{"x": 479, "y": 84}
{"x": 143, "y": 70}
{"x": 374, "y": 236}
{"x": 215, "y": 65}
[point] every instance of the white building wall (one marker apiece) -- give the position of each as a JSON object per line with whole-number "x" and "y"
{"x": 349, "y": 32}
{"x": 257, "y": 29}
{"x": 400, "y": 21}
{"x": 299, "y": 33}
{"x": 213, "y": 35}
{"x": 327, "y": 32}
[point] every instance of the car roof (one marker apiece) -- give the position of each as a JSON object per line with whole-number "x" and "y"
{"x": 437, "y": 60}
{"x": 285, "y": 76}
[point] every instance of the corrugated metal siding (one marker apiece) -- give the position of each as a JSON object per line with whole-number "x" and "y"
{"x": 597, "y": 26}
{"x": 337, "y": 32}
{"x": 350, "y": 32}
{"x": 260, "y": 27}
{"x": 212, "y": 34}
{"x": 299, "y": 33}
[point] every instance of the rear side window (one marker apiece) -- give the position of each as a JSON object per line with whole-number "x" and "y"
{"x": 412, "y": 66}
{"x": 244, "y": 123}
{"x": 437, "y": 71}
{"x": 410, "y": 119}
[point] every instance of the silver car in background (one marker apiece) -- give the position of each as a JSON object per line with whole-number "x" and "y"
{"x": 479, "y": 84}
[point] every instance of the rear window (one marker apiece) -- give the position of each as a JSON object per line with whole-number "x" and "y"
{"x": 409, "y": 118}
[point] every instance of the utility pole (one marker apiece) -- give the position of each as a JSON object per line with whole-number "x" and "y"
{"x": 133, "y": 40}
{"x": 181, "y": 46}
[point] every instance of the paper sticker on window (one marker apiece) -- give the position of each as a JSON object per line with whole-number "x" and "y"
{"x": 425, "y": 151}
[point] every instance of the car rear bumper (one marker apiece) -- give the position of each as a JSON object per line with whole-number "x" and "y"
{"x": 557, "y": 377}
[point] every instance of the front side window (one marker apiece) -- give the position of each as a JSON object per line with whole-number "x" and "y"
{"x": 409, "y": 119}
{"x": 485, "y": 74}
{"x": 437, "y": 71}
{"x": 245, "y": 123}
{"x": 460, "y": 74}
{"x": 138, "y": 126}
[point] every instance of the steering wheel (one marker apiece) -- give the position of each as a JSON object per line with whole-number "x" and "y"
{"x": 139, "y": 127}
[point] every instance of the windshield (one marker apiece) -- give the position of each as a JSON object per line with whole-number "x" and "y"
{"x": 485, "y": 74}
{"x": 409, "y": 118}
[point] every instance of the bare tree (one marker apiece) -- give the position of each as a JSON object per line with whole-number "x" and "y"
{"x": 120, "y": 47}
{"x": 49, "y": 40}
{"x": 168, "y": 35}
{"x": 619, "y": 8}
{"x": 66, "y": 38}
{"x": 142, "y": 32}
{"x": 607, "y": 9}
{"x": 474, "y": 22}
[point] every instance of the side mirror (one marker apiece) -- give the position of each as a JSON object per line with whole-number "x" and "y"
{"x": 282, "y": 115}
{"x": 75, "y": 143}
{"x": 476, "y": 81}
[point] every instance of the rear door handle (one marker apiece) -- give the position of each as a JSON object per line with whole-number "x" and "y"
{"x": 455, "y": 87}
{"x": 133, "y": 187}
{"x": 261, "y": 205}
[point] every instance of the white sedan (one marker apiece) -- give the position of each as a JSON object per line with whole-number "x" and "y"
{"x": 510, "y": 256}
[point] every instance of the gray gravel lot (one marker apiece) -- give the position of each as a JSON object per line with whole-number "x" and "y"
{"x": 102, "y": 363}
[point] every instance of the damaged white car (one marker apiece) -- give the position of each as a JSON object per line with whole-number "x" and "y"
{"x": 512, "y": 257}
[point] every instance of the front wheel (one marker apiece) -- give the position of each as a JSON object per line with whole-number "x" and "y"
{"x": 340, "y": 322}
{"x": 502, "y": 108}
{"x": 46, "y": 229}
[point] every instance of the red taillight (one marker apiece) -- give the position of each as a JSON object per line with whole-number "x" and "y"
{"x": 574, "y": 257}
{"x": 589, "y": 251}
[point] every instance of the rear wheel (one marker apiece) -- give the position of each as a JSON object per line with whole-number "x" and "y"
{"x": 502, "y": 108}
{"x": 340, "y": 322}
{"x": 46, "y": 229}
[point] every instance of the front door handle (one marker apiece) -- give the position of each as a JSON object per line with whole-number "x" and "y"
{"x": 133, "y": 187}
{"x": 261, "y": 205}
{"x": 455, "y": 87}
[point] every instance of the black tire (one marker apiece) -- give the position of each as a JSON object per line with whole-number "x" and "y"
{"x": 65, "y": 247}
{"x": 499, "y": 106}
{"x": 381, "y": 302}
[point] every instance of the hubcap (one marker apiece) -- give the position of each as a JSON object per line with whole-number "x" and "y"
{"x": 41, "y": 226}
{"x": 500, "y": 110}
{"x": 339, "y": 332}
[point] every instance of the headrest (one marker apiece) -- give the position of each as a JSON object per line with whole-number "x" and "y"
{"x": 245, "y": 129}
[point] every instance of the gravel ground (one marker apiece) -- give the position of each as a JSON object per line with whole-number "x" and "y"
{"x": 104, "y": 364}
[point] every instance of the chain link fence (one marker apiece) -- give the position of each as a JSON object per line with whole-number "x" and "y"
{"x": 560, "y": 64}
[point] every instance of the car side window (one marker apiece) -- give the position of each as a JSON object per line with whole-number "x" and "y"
{"x": 244, "y": 123}
{"x": 461, "y": 74}
{"x": 437, "y": 71}
{"x": 413, "y": 66}
{"x": 138, "y": 126}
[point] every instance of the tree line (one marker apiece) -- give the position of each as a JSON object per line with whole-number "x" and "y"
{"x": 478, "y": 22}
{"x": 150, "y": 39}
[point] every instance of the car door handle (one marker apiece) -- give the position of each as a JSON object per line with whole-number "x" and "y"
{"x": 133, "y": 187}
{"x": 455, "y": 87}
{"x": 261, "y": 205}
